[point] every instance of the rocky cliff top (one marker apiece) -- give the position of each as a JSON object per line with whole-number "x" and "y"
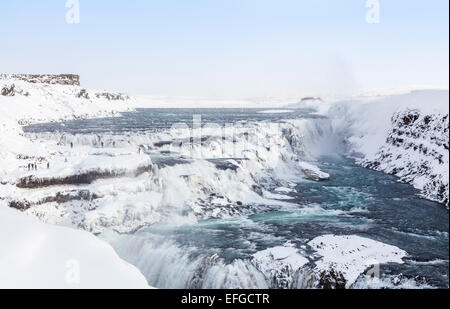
{"x": 61, "y": 79}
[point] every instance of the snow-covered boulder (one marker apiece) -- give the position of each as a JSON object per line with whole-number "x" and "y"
{"x": 350, "y": 256}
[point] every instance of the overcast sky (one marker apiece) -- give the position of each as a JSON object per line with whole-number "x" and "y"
{"x": 230, "y": 48}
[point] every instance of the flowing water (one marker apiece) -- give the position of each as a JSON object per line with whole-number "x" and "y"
{"x": 183, "y": 252}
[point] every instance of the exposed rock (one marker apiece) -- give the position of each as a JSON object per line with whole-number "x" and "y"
{"x": 112, "y": 96}
{"x": 61, "y": 79}
{"x": 8, "y": 91}
{"x": 331, "y": 279}
{"x": 83, "y": 94}
{"x": 60, "y": 198}
{"x": 86, "y": 177}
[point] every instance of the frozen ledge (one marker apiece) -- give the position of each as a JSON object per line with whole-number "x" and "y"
{"x": 312, "y": 172}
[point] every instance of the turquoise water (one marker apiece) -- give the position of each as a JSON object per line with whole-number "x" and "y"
{"x": 355, "y": 201}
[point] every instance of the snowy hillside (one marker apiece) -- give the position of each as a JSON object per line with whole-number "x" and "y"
{"x": 36, "y": 255}
{"x": 23, "y": 102}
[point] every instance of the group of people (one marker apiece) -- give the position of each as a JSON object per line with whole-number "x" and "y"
{"x": 34, "y": 166}
{"x": 102, "y": 144}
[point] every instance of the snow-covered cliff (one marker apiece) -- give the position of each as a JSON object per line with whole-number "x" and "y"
{"x": 416, "y": 150}
{"x": 404, "y": 135}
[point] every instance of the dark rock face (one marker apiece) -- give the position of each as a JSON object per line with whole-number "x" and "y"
{"x": 8, "y": 91}
{"x": 87, "y": 177}
{"x": 112, "y": 96}
{"x": 11, "y": 90}
{"x": 61, "y": 79}
{"x": 417, "y": 148}
{"x": 20, "y": 205}
{"x": 331, "y": 279}
{"x": 83, "y": 94}
{"x": 59, "y": 198}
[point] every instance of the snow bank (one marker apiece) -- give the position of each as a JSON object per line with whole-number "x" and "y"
{"x": 352, "y": 255}
{"x": 36, "y": 255}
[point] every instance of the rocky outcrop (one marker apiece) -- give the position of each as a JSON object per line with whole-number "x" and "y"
{"x": 8, "y": 91}
{"x": 11, "y": 90}
{"x": 86, "y": 177}
{"x": 84, "y": 94}
{"x": 416, "y": 150}
{"x": 61, "y": 79}
{"x": 59, "y": 198}
{"x": 311, "y": 99}
{"x": 112, "y": 96}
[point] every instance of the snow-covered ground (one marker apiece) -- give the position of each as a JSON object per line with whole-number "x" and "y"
{"x": 38, "y": 255}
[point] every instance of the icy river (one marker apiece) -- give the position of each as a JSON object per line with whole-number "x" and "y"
{"x": 267, "y": 245}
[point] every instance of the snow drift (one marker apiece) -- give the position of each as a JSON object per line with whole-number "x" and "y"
{"x": 36, "y": 255}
